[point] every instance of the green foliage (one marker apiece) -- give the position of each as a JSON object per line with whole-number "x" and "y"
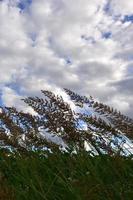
{"x": 62, "y": 176}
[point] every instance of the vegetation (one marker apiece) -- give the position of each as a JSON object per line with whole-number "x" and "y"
{"x": 91, "y": 161}
{"x": 65, "y": 176}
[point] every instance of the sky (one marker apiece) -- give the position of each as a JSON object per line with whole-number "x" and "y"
{"x": 82, "y": 45}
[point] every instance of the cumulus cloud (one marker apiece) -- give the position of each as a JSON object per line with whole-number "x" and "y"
{"x": 83, "y": 45}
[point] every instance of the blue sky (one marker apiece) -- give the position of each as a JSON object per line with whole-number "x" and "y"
{"x": 24, "y": 4}
{"x": 82, "y": 45}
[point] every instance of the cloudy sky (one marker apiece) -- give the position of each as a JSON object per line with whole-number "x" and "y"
{"x": 83, "y": 45}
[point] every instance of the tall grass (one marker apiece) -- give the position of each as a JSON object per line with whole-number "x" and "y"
{"x": 41, "y": 175}
{"x": 63, "y": 176}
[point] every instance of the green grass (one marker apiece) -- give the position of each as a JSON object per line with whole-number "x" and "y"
{"x": 64, "y": 176}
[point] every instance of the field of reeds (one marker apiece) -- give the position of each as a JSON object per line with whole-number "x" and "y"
{"x": 35, "y": 168}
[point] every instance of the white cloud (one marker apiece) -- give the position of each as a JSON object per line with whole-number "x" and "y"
{"x": 63, "y": 43}
{"x": 122, "y": 7}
